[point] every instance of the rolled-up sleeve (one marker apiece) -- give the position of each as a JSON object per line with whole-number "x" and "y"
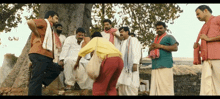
{"x": 65, "y": 48}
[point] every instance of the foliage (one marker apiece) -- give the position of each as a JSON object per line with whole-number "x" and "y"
{"x": 140, "y": 18}
{"x": 10, "y": 14}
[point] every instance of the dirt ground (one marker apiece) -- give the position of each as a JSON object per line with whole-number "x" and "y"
{"x": 49, "y": 92}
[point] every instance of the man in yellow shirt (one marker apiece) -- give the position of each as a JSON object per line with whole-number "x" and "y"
{"x": 111, "y": 67}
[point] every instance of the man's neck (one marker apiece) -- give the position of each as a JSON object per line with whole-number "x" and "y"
{"x": 78, "y": 42}
{"x": 125, "y": 38}
{"x": 207, "y": 18}
{"x": 160, "y": 35}
{"x": 50, "y": 21}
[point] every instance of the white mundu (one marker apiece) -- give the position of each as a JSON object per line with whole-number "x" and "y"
{"x": 210, "y": 78}
{"x": 69, "y": 53}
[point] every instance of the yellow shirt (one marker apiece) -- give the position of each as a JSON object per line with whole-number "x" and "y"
{"x": 104, "y": 47}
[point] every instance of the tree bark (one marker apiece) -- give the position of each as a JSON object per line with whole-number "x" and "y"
{"x": 8, "y": 64}
{"x": 71, "y": 16}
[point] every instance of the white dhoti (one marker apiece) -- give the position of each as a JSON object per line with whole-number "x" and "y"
{"x": 127, "y": 90}
{"x": 79, "y": 75}
{"x": 162, "y": 82}
{"x": 210, "y": 79}
{"x": 128, "y": 83}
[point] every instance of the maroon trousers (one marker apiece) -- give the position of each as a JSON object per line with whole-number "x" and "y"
{"x": 109, "y": 73}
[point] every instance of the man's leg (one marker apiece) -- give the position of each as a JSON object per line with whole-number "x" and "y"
{"x": 164, "y": 80}
{"x": 101, "y": 83}
{"x": 216, "y": 76}
{"x": 153, "y": 85}
{"x": 68, "y": 73}
{"x": 112, "y": 84}
{"x": 206, "y": 79}
{"x": 52, "y": 71}
{"x": 38, "y": 69}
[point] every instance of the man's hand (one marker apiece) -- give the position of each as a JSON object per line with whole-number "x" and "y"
{"x": 117, "y": 36}
{"x": 134, "y": 68}
{"x": 37, "y": 39}
{"x": 204, "y": 37}
{"x": 156, "y": 46}
{"x": 76, "y": 65}
{"x": 195, "y": 45}
{"x": 61, "y": 63}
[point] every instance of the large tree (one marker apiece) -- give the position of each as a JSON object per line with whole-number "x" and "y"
{"x": 139, "y": 17}
{"x": 71, "y": 16}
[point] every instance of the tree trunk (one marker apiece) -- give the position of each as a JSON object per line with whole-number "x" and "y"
{"x": 71, "y": 16}
{"x": 8, "y": 64}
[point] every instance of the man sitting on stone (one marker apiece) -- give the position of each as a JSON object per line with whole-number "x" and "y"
{"x": 68, "y": 56}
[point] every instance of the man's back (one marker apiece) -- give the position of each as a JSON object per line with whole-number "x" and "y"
{"x": 104, "y": 47}
{"x": 36, "y": 46}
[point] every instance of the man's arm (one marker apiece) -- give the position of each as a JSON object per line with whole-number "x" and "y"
{"x": 117, "y": 35}
{"x": 65, "y": 48}
{"x": 136, "y": 49}
{"x": 77, "y": 62}
{"x": 211, "y": 39}
{"x": 33, "y": 27}
{"x": 167, "y": 48}
{"x": 170, "y": 48}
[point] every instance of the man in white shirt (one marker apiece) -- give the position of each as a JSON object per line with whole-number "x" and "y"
{"x": 130, "y": 48}
{"x": 111, "y": 34}
{"x": 71, "y": 47}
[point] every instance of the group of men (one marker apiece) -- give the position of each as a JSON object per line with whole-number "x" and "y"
{"x": 51, "y": 53}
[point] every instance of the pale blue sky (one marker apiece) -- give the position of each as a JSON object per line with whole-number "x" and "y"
{"x": 186, "y": 28}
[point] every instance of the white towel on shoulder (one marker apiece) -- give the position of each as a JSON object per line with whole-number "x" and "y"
{"x": 48, "y": 40}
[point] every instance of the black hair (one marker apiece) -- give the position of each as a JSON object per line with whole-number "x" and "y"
{"x": 96, "y": 34}
{"x": 107, "y": 20}
{"x": 125, "y": 29}
{"x": 50, "y": 13}
{"x": 203, "y": 7}
{"x": 58, "y": 25}
{"x": 80, "y": 29}
{"x": 132, "y": 34}
{"x": 160, "y": 23}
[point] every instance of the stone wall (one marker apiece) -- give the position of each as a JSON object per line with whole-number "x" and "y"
{"x": 185, "y": 84}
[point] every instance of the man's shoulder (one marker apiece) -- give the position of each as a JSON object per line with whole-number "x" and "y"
{"x": 63, "y": 36}
{"x": 70, "y": 38}
{"x": 168, "y": 36}
{"x": 39, "y": 20}
{"x": 216, "y": 19}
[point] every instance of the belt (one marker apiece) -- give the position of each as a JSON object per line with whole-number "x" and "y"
{"x": 112, "y": 55}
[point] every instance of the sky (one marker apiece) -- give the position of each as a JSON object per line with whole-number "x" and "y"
{"x": 185, "y": 29}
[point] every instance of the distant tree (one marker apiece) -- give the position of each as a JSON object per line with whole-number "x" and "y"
{"x": 10, "y": 14}
{"x": 140, "y": 17}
